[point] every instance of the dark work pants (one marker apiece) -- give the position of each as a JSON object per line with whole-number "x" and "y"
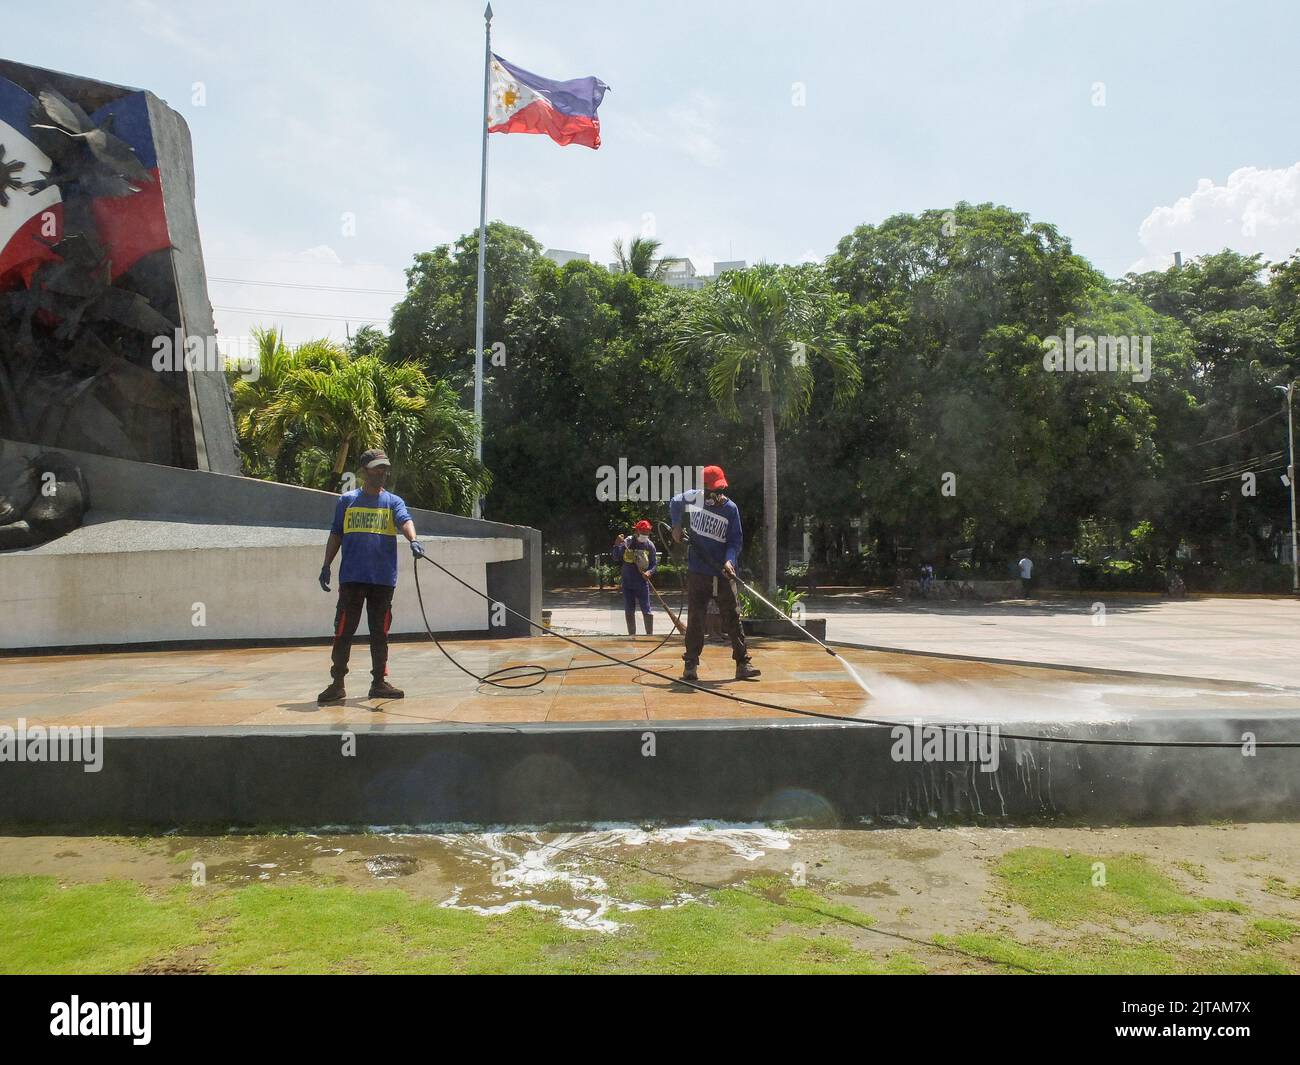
{"x": 378, "y": 602}
{"x": 634, "y": 597}
{"x": 699, "y": 590}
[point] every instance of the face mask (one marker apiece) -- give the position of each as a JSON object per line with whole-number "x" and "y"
{"x": 642, "y": 538}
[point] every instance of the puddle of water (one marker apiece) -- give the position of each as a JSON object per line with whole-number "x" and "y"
{"x": 1074, "y": 700}
{"x": 390, "y": 866}
{"x": 500, "y": 871}
{"x": 497, "y": 870}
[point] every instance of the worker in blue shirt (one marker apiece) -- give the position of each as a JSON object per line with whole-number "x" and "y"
{"x": 639, "y": 560}
{"x": 366, "y": 523}
{"x": 715, "y": 543}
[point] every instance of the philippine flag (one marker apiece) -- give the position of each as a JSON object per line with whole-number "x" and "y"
{"x": 29, "y": 221}
{"x": 521, "y": 102}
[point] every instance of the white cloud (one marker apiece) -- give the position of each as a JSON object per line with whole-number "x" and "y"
{"x": 1253, "y": 211}
{"x": 693, "y": 126}
{"x": 690, "y": 128}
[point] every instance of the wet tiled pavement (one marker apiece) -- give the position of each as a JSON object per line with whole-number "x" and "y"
{"x": 274, "y": 687}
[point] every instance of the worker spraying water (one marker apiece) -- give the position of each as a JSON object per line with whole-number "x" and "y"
{"x": 715, "y": 540}
{"x": 714, "y": 549}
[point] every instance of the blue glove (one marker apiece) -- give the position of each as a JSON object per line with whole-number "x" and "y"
{"x": 324, "y": 578}
{"x": 417, "y": 549}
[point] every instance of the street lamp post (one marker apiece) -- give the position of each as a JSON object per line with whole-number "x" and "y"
{"x": 1291, "y": 476}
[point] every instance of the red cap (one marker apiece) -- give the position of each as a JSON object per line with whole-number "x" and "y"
{"x": 714, "y": 477}
{"x": 642, "y": 526}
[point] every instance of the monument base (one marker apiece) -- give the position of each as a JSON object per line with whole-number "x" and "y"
{"x": 170, "y": 556}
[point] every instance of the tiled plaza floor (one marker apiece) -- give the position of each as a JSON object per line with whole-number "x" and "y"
{"x": 277, "y": 687}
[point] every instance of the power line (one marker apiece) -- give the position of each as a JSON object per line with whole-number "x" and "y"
{"x": 303, "y": 285}
{"x": 298, "y": 314}
{"x": 1237, "y": 475}
{"x": 1244, "y": 464}
{"x": 1215, "y": 440}
{"x": 300, "y": 262}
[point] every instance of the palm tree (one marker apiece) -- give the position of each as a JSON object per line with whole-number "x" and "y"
{"x": 330, "y": 398}
{"x": 429, "y": 438}
{"x": 315, "y": 408}
{"x": 639, "y": 259}
{"x": 758, "y": 330}
{"x": 249, "y": 397}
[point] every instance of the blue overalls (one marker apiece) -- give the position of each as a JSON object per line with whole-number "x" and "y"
{"x": 636, "y": 557}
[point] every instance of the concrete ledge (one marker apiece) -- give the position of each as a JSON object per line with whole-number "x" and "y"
{"x": 583, "y": 773}
{"x": 119, "y": 581}
{"x": 182, "y": 507}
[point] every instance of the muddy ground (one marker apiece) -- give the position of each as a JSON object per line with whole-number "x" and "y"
{"x": 916, "y": 887}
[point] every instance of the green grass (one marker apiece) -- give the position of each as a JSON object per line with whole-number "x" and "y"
{"x": 1104, "y": 956}
{"x": 113, "y": 927}
{"x": 1275, "y": 885}
{"x": 763, "y": 926}
{"x": 766, "y": 927}
{"x": 1195, "y": 871}
{"x": 1060, "y": 888}
{"x": 1271, "y": 930}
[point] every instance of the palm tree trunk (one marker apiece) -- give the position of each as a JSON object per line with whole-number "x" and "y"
{"x": 341, "y": 460}
{"x": 769, "y": 493}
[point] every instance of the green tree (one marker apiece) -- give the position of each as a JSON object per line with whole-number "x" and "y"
{"x": 1229, "y": 427}
{"x": 641, "y": 258}
{"x": 948, "y": 316}
{"x": 315, "y": 408}
{"x": 760, "y": 331}
{"x": 434, "y": 322}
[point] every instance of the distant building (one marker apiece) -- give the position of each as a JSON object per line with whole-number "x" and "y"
{"x": 559, "y": 256}
{"x": 679, "y": 272}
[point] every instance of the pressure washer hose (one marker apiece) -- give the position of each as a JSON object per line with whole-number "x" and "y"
{"x": 761, "y": 598}
{"x": 542, "y": 672}
{"x": 531, "y": 669}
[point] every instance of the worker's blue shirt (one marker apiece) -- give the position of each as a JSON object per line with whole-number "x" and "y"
{"x": 632, "y": 564}
{"x": 368, "y": 525}
{"x": 716, "y": 537}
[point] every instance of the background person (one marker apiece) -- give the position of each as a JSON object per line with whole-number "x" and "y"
{"x": 927, "y": 579}
{"x": 366, "y": 523}
{"x": 640, "y": 560}
{"x": 1026, "y": 565}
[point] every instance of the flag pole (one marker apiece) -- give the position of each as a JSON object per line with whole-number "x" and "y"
{"x": 482, "y": 248}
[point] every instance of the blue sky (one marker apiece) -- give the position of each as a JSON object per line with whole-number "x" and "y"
{"x": 316, "y": 110}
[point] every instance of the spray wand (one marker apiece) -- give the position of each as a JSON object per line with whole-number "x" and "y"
{"x": 686, "y": 539}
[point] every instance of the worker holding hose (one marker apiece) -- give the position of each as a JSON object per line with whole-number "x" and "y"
{"x": 715, "y": 543}
{"x": 366, "y": 523}
{"x": 639, "y": 559}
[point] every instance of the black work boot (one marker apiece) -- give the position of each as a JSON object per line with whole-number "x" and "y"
{"x": 333, "y": 695}
{"x": 630, "y": 616}
{"x": 381, "y": 689}
{"x": 649, "y": 624}
{"x": 744, "y": 671}
{"x": 691, "y": 672}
